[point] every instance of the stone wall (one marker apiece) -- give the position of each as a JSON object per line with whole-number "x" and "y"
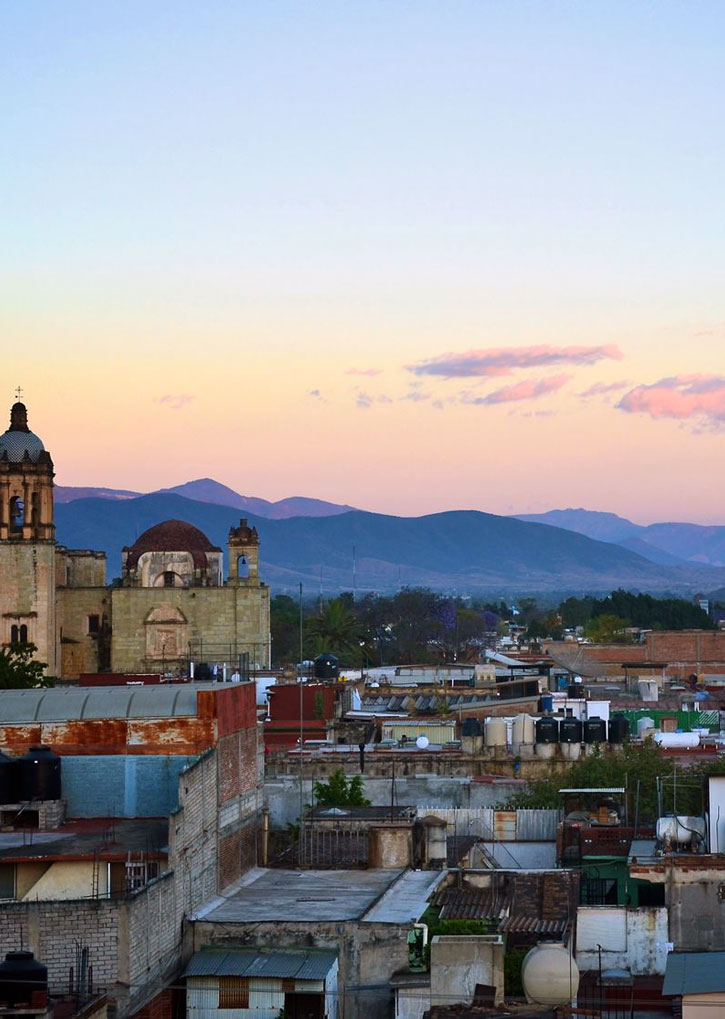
{"x": 27, "y": 596}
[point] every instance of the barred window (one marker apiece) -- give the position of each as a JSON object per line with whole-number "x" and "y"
{"x": 233, "y": 992}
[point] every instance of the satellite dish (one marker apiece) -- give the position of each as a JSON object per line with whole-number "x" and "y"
{"x": 422, "y": 742}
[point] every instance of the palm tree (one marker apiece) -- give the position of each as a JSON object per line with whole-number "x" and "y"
{"x": 336, "y": 629}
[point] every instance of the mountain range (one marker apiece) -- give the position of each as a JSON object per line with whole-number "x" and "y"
{"x": 334, "y": 547}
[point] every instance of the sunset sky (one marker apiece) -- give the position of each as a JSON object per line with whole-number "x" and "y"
{"x": 411, "y": 256}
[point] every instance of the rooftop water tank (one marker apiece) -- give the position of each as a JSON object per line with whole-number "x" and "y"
{"x": 547, "y": 730}
{"x": 471, "y": 727}
{"x": 570, "y": 730}
{"x": 326, "y": 666}
{"x": 595, "y": 730}
{"x": 494, "y": 732}
{"x": 523, "y": 729}
{"x": 549, "y": 974}
{"x": 8, "y": 785}
{"x": 643, "y": 725}
{"x": 39, "y": 775}
{"x": 23, "y": 981}
{"x": 618, "y": 728}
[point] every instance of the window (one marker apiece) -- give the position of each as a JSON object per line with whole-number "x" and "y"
{"x": 17, "y": 513}
{"x": 94, "y": 624}
{"x": 23, "y": 634}
{"x": 598, "y": 892}
{"x": 7, "y": 880}
{"x": 169, "y": 579}
{"x": 233, "y": 992}
{"x": 14, "y": 634}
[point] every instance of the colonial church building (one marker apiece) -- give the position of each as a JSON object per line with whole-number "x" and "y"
{"x": 172, "y": 608}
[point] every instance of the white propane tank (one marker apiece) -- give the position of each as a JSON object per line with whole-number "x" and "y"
{"x": 679, "y": 740}
{"x": 550, "y": 975}
{"x": 681, "y": 829}
{"x": 495, "y": 731}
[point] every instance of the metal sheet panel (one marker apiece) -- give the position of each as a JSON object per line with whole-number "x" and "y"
{"x": 601, "y": 926}
{"x": 267, "y": 965}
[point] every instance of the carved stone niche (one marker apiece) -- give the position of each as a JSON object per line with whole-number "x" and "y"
{"x": 166, "y": 633}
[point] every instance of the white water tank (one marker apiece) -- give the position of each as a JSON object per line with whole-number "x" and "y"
{"x": 494, "y": 733}
{"x": 550, "y": 975}
{"x": 523, "y": 729}
{"x": 681, "y": 829}
{"x": 643, "y": 724}
{"x": 677, "y": 740}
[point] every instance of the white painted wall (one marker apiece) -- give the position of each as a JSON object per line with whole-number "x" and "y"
{"x": 716, "y": 788}
{"x": 632, "y": 939}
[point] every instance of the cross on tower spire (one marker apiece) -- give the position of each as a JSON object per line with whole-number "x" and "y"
{"x": 19, "y": 393}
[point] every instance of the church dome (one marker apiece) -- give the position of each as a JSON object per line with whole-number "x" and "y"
{"x": 172, "y": 536}
{"x": 18, "y": 440}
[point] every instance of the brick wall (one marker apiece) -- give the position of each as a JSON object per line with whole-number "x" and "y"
{"x": 690, "y": 646}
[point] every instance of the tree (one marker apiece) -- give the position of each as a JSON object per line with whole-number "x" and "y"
{"x": 608, "y": 630}
{"x": 336, "y": 629}
{"x": 340, "y": 792}
{"x": 19, "y": 670}
{"x": 285, "y": 626}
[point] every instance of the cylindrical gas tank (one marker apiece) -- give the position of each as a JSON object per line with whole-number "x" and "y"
{"x": 618, "y": 728}
{"x": 23, "y": 981}
{"x": 523, "y": 729}
{"x": 547, "y": 730}
{"x": 595, "y": 730}
{"x": 570, "y": 730}
{"x": 550, "y": 975}
{"x": 681, "y": 829}
{"x": 494, "y": 733}
{"x": 678, "y": 740}
{"x": 8, "y": 783}
{"x": 39, "y": 775}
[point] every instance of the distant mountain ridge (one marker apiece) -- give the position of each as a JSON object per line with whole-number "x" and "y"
{"x": 665, "y": 543}
{"x": 465, "y": 551}
{"x": 208, "y": 490}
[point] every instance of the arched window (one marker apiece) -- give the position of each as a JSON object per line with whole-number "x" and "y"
{"x": 17, "y": 513}
{"x": 14, "y": 634}
{"x": 242, "y": 567}
{"x": 35, "y": 509}
{"x": 23, "y": 634}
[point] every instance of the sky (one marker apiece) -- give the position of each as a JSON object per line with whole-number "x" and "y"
{"x": 409, "y": 256}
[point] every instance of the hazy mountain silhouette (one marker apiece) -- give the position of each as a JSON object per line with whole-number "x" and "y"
{"x": 465, "y": 551}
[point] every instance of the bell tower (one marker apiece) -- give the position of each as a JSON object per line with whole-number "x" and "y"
{"x": 27, "y": 541}
{"x": 243, "y": 555}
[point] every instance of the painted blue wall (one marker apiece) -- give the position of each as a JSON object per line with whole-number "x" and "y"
{"x": 122, "y": 786}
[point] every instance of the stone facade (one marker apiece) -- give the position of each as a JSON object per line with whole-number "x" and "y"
{"x": 173, "y": 607}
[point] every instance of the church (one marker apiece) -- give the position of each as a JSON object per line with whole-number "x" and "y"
{"x": 172, "y": 611}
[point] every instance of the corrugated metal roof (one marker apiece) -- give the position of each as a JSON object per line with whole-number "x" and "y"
{"x": 275, "y": 965}
{"x": 593, "y": 790}
{"x": 694, "y": 973}
{"x": 62, "y": 705}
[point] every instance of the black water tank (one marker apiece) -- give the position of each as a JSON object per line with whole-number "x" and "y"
{"x": 471, "y": 727}
{"x": 8, "y": 783}
{"x": 203, "y": 673}
{"x": 595, "y": 730}
{"x": 570, "y": 730}
{"x": 618, "y": 728}
{"x": 547, "y": 730}
{"x": 39, "y": 775}
{"x": 326, "y": 666}
{"x": 21, "y": 977}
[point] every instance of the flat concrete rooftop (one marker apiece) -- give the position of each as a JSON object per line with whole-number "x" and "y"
{"x": 308, "y": 896}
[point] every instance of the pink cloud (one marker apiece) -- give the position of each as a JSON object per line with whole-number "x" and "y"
{"x": 176, "y": 401}
{"x": 369, "y": 372}
{"x": 504, "y": 360}
{"x": 680, "y": 397}
{"x": 603, "y": 388}
{"x": 527, "y": 389}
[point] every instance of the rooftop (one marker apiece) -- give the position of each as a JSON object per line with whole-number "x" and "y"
{"x": 285, "y": 965}
{"x": 64, "y": 704}
{"x": 694, "y": 973}
{"x": 294, "y": 896}
{"x": 105, "y": 838}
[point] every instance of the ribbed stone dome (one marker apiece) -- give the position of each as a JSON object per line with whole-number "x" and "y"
{"x": 18, "y": 439}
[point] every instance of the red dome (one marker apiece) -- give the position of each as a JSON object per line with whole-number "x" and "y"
{"x": 172, "y": 536}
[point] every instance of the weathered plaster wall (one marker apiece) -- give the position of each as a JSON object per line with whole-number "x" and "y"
{"x": 458, "y": 963}
{"x": 633, "y": 939}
